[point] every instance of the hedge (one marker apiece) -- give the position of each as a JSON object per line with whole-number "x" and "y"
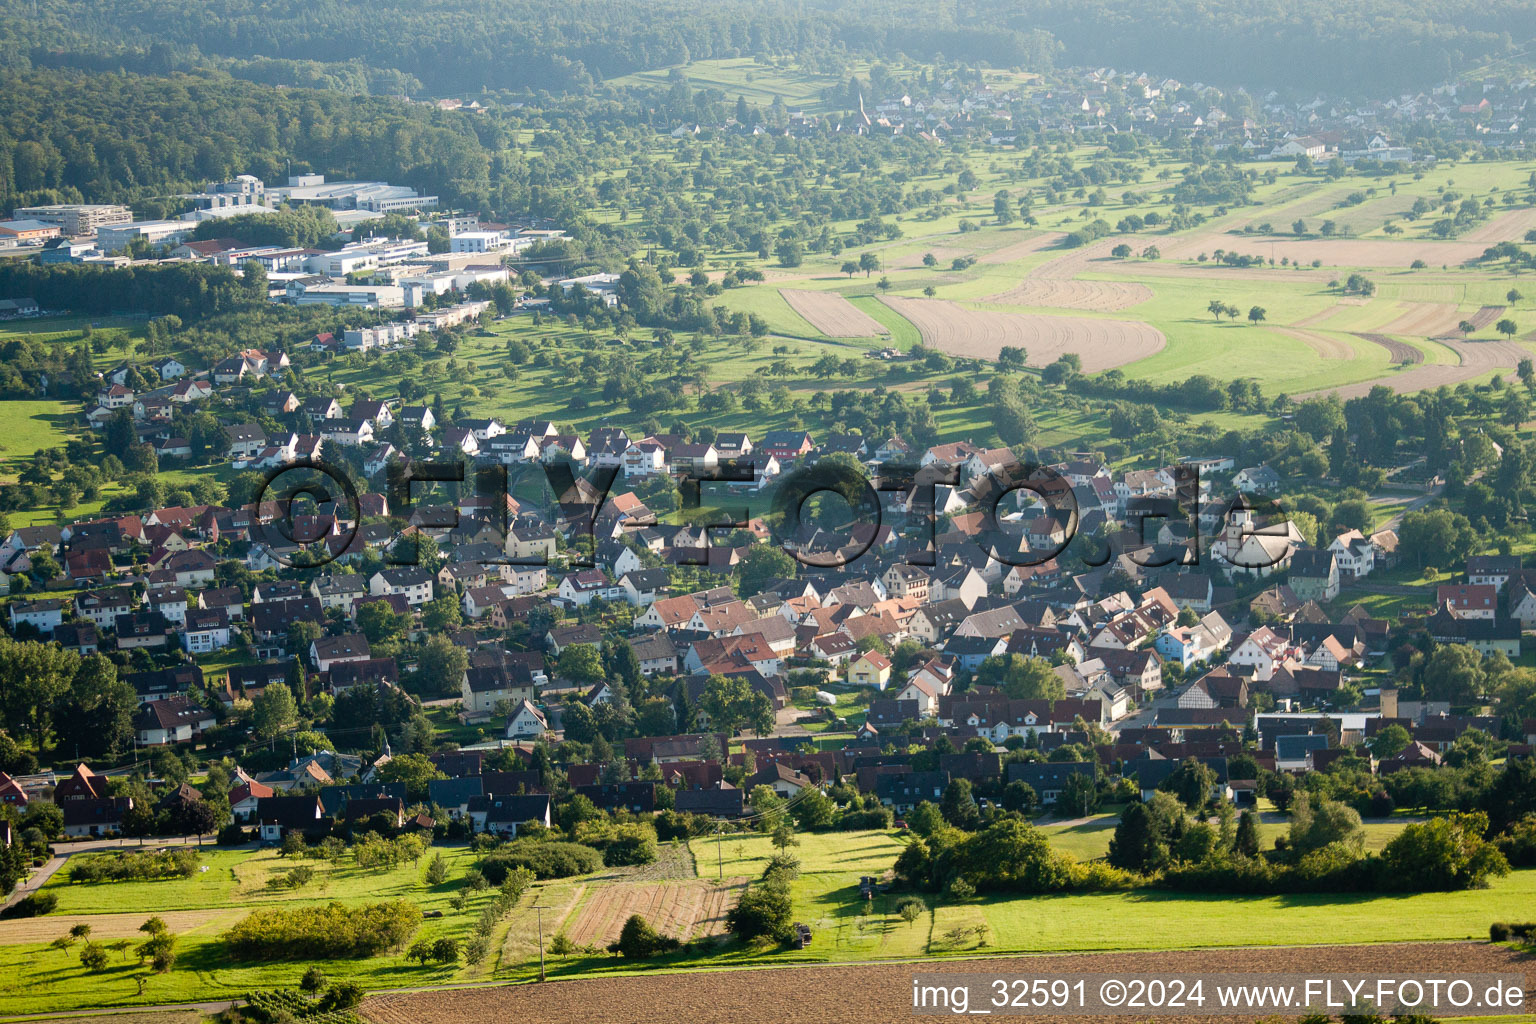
{"x": 546, "y": 859}
{"x": 328, "y": 932}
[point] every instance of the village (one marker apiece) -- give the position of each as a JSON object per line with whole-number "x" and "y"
{"x": 1150, "y": 658}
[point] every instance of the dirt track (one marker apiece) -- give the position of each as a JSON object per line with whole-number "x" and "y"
{"x": 832, "y": 315}
{"x": 976, "y": 333}
{"x": 882, "y": 992}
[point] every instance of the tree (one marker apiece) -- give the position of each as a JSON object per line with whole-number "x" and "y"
{"x": 94, "y": 717}
{"x": 379, "y": 623}
{"x": 959, "y": 806}
{"x": 314, "y": 979}
{"x": 441, "y": 666}
{"x": 849, "y": 267}
{"x": 1513, "y": 295}
{"x": 442, "y": 613}
{"x": 1256, "y": 314}
{"x": 415, "y": 770}
{"x": 732, "y": 703}
{"x": 1389, "y": 742}
{"x": 1022, "y": 678}
{"x": 1453, "y": 672}
{"x": 273, "y": 711}
{"x": 437, "y": 870}
{"x": 1466, "y": 327}
{"x": 1443, "y": 854}
{"x": 1326, "y": 823}
{"x": 580, "y": 663}
{"x": 1299, "y": 227}
{"x": 1248, "y": 835}
{"x": 1121, "y": 251}
{"x": 199, "y": 818}
{"x": 562, "y": 946}
{"x": 761, "y": 564}
{"x": 93, "y": 957}
{"x": 1216, "y": 307}
{"x": 1020, "y": 797}
{"x": 1079, "y": 794}
{"x": 1192, "y": 782}
{"x": 869, "y": 263}
{"x": 790, "y": 252}
{"x": 925, "y": 819}
{"x": 1507, "y": 327}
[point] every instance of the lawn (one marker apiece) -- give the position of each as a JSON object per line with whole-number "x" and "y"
{"x": 35, "y": 979}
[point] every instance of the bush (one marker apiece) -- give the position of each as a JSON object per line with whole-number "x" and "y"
{"x": 639, "y": 941}
{"x": 1498, "y": 932}
{"x": 232, "y": 835}
{"x": 327, "y": 932}
{"x": 35, "y": 905}
{"x": 621, "y": 844}
{"x": 553, "y": 859}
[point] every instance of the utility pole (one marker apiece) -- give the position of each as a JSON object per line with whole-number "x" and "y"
{"x": 719, "y": 856}
{"x": 541, "y": 940}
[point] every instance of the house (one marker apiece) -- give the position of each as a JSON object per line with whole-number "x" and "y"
{"x": 1256, "y": 480}
{"x": 1493, "y": 570}
{"x": 172, "y": 720}
{"x": 276, "y": 816}
{"x": 490, "y": 680}
{"x": 870, "y": 669}
{"x": 786, "y": 444}
{"x": 656, "y": 653}
{"x": 1049, "y": 778}
{"x": 332, "y": 650}
{"x": 526, "y": 722}
{"x": 1314, "y": 575}
{"x": 503, "y": 814}
{"x": 903, "y": 791}
{"x": 1469, "y": 600}
{"x": 95, "y": 816}
{"x": 43, "y": 616}
{"x": 411, "y": 582}
{"x": 205, "y": 631}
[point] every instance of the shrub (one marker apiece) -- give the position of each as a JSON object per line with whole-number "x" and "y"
{"x": 639, "y": 941}
{"x": 1498, "y": 932}
{"x": 231, "y": 835}
{"x": 35, "y": 905}
{"x": 327, "y": 932}
{"x": 553, "y": 859}
{"x": 621, "y": 844}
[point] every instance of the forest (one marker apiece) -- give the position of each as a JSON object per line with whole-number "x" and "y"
{"x": 470, "y": 46}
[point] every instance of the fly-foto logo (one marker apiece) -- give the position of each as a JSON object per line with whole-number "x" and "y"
{"x": 1025, "y": 514}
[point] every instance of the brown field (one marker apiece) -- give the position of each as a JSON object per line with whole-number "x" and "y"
{"x": 1334, "y": 252}
{"x": 1097, "y": 296}
{"x": 694, "y": 909}
{"x": 1399, "y": 352}
{"x": 981, "y": 334}
{"x": 105, "y": 926}
{"x": 832, "y": 315}
{"x": 1506, "y": 227}
{"x": 882, "y": 992}
{"x": 1322, "y": 316}
{"x": 1485, "y": 316}
{"x": 1425, "y": 320}
{"x": 1477, "y": 358}
{"x": 1026, "y": 247}
{"x": 1325, "y": 346}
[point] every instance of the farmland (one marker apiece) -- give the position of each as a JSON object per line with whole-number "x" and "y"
{"x": 883, "y": 991}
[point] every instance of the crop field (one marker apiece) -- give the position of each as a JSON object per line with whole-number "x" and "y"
{"x": 685, "y": 910}
{"x": 832, "y": 315}
{"x": 884, "y": 991}
{"x": 1096, "y": 296}
{"x": 978, "y": 333}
